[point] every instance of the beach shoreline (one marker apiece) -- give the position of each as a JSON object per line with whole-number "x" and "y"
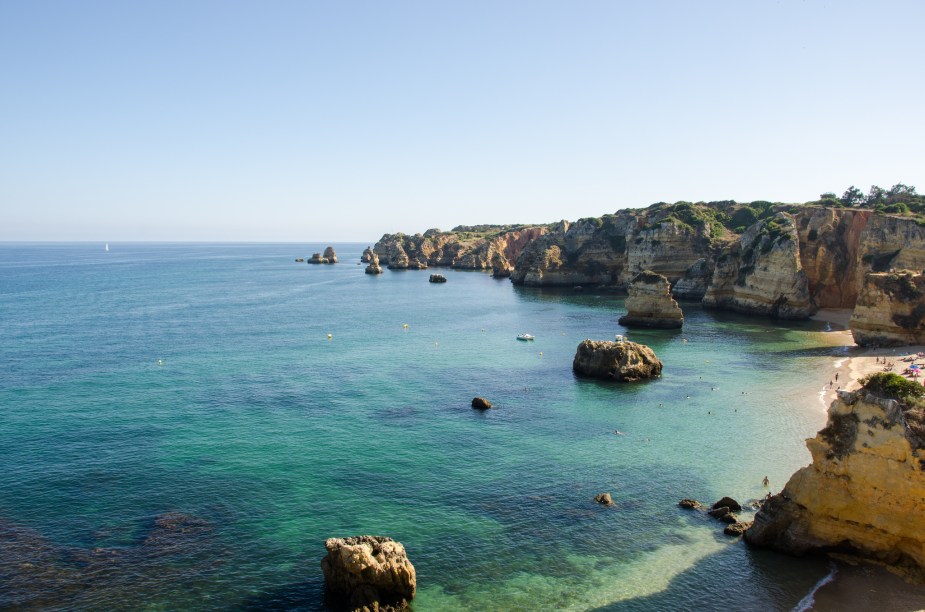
{"x": 856, "y": 585}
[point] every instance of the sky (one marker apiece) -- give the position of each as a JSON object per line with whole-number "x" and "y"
{"x": 341, "y": 121}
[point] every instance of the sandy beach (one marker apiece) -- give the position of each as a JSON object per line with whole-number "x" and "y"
{"x": 859, "y": 362}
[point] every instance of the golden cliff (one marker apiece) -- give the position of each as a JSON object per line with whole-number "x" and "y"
{"x": 890, "y": 310}
{"x": 863, "y": 494}
{"x": 474, "y": 248}
{"x": 762, "y": 274}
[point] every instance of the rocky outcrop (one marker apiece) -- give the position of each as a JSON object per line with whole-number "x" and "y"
{"x": 316, "y": 258}
{"x": 480, "y": 403}
{"x": 472, "y": 248}
{"x": 620, "y": 361}
{"x": 368, "y": 573}
{"x": 330, "y": 255}
{"x": 863, "y": 492}
{"x": 367, "y": 255}
{"x": 374, "y": 267}
{"x": 890, "y": 310}
{"x": 437, "y": 278}
{"x": 762, "y": 273}
{"x": 650, "y": 304}
{"x": 605, "y": 499}
{"x": 693, "y": 285}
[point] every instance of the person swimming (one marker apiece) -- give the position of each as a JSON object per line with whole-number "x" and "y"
{"x": 766, "y": 482}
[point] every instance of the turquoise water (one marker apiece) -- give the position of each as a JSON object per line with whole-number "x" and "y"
{"x": 280, "y": 437}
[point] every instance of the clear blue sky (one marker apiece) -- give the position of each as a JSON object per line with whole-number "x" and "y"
{"x": 329, "y": 121}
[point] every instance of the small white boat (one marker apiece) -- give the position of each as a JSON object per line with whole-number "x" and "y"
{"x": 524, "y": 337}
{"x": 107, "y": 247}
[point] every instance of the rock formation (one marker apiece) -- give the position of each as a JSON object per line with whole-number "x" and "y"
{"x": 762, "y": 274}
{"x": 620, "y": 361}
{"x": 693, "y": 285}
{"x": 368, "y": 573}
{"x": 650, "y": 304}
{"x": 374, "y": 267}
{"x": 474, "y": 248}
{"x": 863, "y": 493}
{"x": 481, "y": 403}
{"x": 367, "y": 255}
{"x": 330, "y": 255}
{"x": 317, "y": 258}
{"x": 604, "y": 499}
{"x": 437, "y": 278}
{"x": 890, "y": 310}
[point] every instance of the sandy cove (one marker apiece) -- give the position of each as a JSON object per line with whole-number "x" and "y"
{"x": 859, "y": 362}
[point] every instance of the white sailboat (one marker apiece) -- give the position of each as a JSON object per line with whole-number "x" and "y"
{"x": 107, "y": 247}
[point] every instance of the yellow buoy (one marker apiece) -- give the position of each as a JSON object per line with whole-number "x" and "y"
{"x": 330, "y": 336}
{"x": 405, "y": 326}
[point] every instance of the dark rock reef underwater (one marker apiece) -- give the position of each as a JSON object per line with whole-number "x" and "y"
{"x": 779, "y": 260}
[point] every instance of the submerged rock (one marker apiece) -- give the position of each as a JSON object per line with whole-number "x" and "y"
{"x": 604, "y": 499}
{"x": 620, "y": 361}
{"x": 368, "y": 573}
{"x": 481, "y": 403}
{"x": 690, "y": 504}
{"x": 737, "y": 528}
{"x": 728, "y": 502}
{"x": 650, "y": 303}
{"x": 437, "y": 278}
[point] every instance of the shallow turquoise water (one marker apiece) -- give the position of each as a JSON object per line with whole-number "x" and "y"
{"x": 280, "y": 437}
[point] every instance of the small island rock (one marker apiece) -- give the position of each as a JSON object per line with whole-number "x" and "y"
{"x": 330, "y": 255}
{"x": 368, "y": 573}
{"x": 481, "y": 403}
{"x": 374, "y": 267}
{"x": 437, "y": 278}
{"x": 604, "y": 498}
{"x": 728, "y": 502}
{"x": 620, "y": 361}
{"x": 650, "y": 303}
{"x": 317, "y": 258}
{"x": 367, "y": 255}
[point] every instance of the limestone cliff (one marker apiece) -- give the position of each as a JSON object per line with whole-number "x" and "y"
{"x": 864, "y": 491}
{"x": 478, "y": 248}
{"x": 693, "y": 285}
{"x": 649, "y": 303}
{"x": 762, "y": 273}
{"x": 890, "y": 310}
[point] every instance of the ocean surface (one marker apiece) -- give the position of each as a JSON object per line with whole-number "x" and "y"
{"x": 201, "y": 379}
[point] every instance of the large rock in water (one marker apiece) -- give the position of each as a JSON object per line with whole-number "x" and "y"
{"x": 316, "y": 258}
{"x": 620, "y": 361}
{"x": 368, "y": 573}
{"x": 330, "y": 255}
{"x": 367, "y": 255}
{"x": 650, "y": 304}
{"x": 374, "y": 267}
{"x": 863, "y": 493}
{"x": 890, "y": 310}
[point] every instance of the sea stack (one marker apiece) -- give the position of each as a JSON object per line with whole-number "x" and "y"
{"x": 330, "y": 255}
{"x": 374, "y": 267}
{"x": 620, "y": 361}
{"x": 317, "y": 258}
{"x": 367, "y": 255}
{"x": 863, "y": 492}
{"x": 437, "y": 278}
{"x": 368, "y": 573}
{"x": 650, "y": 303}
{"x": 890, "y": 310}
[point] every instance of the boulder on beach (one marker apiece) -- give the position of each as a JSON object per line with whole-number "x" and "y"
{"x": 368, "y": 573}
{"x": 481, "y": 403}
{"x": 437, "y": 278}
{"x": 620, "y": 361}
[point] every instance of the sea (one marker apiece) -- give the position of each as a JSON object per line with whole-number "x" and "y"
{"x": 277, "y": 404}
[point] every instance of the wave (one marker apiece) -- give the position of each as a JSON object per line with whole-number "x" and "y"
{"x": 810, "y": 598}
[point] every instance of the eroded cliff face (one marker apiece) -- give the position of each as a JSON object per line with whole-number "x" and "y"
{"x": 830, "y": 253}
{"x": 611, "y": 250}
{"x": 495, "y": 247}
{"x": 890, "y": 310}
{"x": 864, "y": 492}
{"x": 762, "y": 273}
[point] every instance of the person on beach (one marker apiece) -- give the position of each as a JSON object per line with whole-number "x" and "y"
{"x": 836, "y": 375}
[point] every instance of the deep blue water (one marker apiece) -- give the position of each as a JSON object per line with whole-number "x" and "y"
{"x": 199, "y": 378}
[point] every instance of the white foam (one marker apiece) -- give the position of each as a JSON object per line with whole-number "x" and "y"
{"x": 810, "y": 598}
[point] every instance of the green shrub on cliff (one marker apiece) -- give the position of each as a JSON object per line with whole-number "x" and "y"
{"x": 894, "y": 386}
